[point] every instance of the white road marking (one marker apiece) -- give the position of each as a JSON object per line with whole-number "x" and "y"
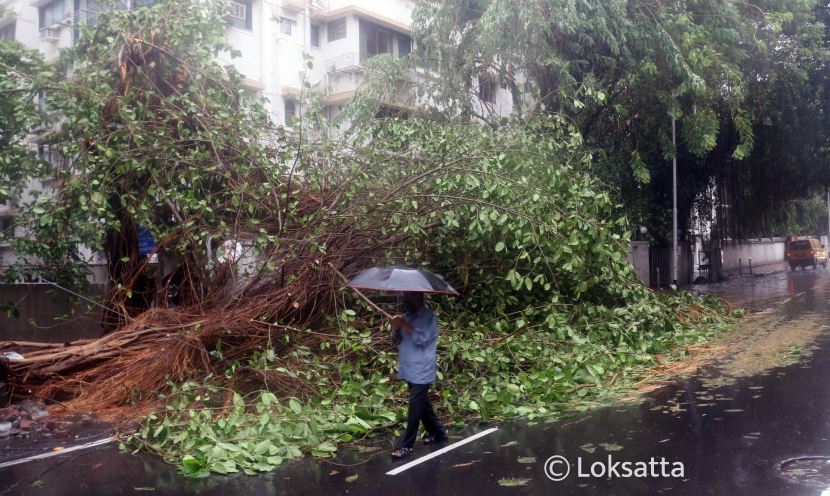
{"x": 50, "y": 454}
{"x": 440, "y": 452}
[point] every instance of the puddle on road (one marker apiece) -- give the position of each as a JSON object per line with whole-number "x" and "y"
{"x": 783, "y": 328}
{"x": 761, "y": 343}
{"x": 814, "y": 470}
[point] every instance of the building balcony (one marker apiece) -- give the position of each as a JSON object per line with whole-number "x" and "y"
{"x": 89, "y": 14}
{"x": 347, "y": 62}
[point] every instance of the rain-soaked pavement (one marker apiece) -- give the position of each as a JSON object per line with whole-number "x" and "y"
{"x": 728, "y": 437}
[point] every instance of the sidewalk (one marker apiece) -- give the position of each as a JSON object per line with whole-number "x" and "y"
{"x": 757, "y": 270}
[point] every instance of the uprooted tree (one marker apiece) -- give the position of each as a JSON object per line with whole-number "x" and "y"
{"x": 259, "y": 341}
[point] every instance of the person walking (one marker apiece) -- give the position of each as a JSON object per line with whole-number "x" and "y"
{"x": 416, "y": 336}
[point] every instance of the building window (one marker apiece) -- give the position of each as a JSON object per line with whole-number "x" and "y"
{"x": 6, "y": 228}
{"x": 286, "y": 25}
{"x": 240, "y": 15}
{"x": 7, "y": 33}
{"x": 487, "y": 89}
{"x": 290, "y": 111}
{"x": 404, "y": 45}
{"x": 375, "y": 39}
{"x": 315, "y": 36}
{"x": 54, "y": 13}
{"x": 337, "y": 30}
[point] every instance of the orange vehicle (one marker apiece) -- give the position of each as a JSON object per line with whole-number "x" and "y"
{"x": 804, "y": 252}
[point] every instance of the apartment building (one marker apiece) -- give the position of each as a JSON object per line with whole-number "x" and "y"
{"x": 340, "y": 35}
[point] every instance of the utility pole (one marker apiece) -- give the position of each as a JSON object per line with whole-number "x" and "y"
{"x": 674, "y": 203}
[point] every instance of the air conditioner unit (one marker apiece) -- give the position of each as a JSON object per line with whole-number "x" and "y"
{"x": 237, "y": 11}
{"x": 50, "y": 34}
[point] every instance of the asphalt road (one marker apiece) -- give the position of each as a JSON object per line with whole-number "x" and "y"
{"x": 727, "y": 445}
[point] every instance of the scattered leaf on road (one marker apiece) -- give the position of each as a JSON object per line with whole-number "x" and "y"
{"x": 97, "y": 465}
{"x": 756, "y": 387}
{"x": 465, "y": 464}
{"x": 511, "y": 443}
{"x": 351, "y": 479}
{"x": 588, "y": 447}
{"x": 144, "y": 488}
{"x": 513, "y": 482}
{"x": 37, "y": 483}
{"x": 527, "y": 459}
{"x": 334, "y": 472}
{"x": 797, "y": 471}
{"x": 611, "y": 446}
{"x": 664, "y": 440}
{"x": 734, "y": 410}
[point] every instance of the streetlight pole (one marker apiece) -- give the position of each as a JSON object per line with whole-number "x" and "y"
{"x": 674, "y": 204}
{"x": 828, "y": 216}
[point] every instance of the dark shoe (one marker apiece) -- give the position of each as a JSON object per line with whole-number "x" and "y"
{"x": 401, "y": 452}
{"x": 434, "y": 438}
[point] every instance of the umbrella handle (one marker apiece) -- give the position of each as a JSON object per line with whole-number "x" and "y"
{"x": 359, "y": 293}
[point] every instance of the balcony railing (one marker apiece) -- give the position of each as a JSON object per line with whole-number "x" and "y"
{"x": 89, "y": 14}
{"x": 351, "y": 61}
{"x": 347, "y": 62}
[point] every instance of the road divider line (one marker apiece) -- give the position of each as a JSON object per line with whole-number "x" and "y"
{"x": 440, "y": 452}
{"x": 50, "y": 454}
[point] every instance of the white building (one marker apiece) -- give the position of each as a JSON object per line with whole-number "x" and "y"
{"x": 338, "y": 34}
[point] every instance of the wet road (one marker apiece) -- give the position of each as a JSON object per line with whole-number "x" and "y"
{"x": 728, "y": 438}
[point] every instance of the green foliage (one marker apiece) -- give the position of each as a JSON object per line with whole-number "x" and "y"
{"x": 532, "y": 374}
{"x": 20, "y": 113}
{"x": 733, "y": 74}
{"x": 144, "y": 138}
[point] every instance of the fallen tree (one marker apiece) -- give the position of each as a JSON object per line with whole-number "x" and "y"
{"x": 242, "y": 339}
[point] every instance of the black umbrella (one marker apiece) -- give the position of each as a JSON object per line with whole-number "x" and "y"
{"x": 401, "y": 279}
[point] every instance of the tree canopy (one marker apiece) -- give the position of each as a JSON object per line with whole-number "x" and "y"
{"x": 740, "y": 78}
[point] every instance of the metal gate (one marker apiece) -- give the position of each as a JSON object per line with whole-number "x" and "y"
{"x": 703, "y": 267}
{"x": 660, "y": 263}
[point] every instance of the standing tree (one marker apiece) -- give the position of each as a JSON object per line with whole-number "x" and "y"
{"x": 622, "y": 69}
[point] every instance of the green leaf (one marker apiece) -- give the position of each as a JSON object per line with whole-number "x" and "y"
{"x": 190, "y": 463}
{"x": 262, "y": 447}
{"x": 513, "y": 482}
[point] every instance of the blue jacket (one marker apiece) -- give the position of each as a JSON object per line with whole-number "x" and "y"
{"x": 416, "y": 352}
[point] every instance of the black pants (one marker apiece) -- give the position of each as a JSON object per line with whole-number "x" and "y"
{"x": 420, "y": 410}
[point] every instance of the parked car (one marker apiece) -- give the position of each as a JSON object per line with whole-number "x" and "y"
{"x": 806, "y": 252}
